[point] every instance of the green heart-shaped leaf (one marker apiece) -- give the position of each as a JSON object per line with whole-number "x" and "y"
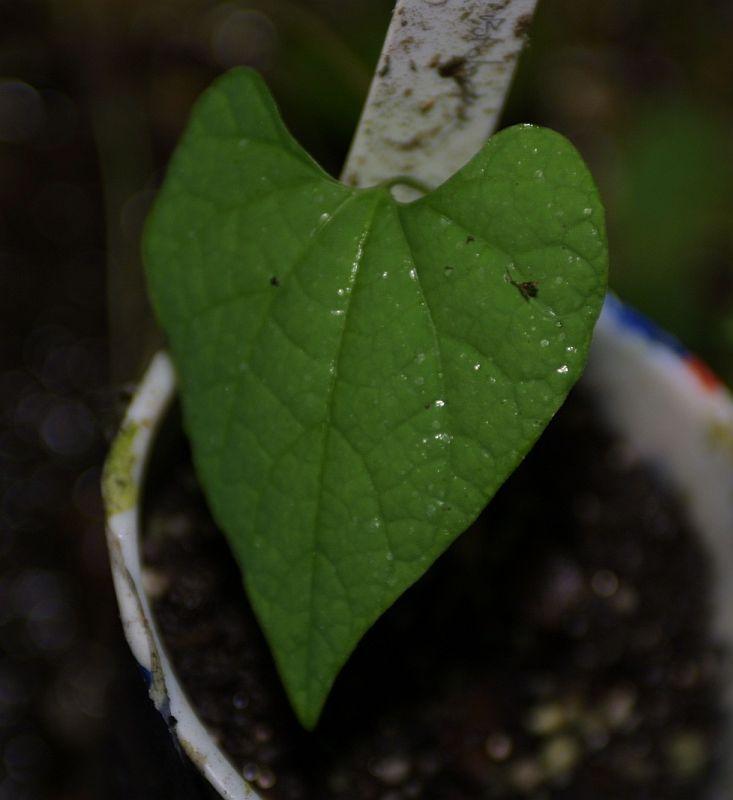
{"x": 359, "y": 376}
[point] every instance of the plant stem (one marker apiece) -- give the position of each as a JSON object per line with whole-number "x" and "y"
{"x": 406, "y": 180}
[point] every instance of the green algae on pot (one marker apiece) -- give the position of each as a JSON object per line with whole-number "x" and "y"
{"x": 118, "y": 481}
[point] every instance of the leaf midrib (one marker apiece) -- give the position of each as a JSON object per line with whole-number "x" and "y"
{"x": 361, "y": 251}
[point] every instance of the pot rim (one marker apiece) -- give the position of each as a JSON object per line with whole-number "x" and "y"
{"x": 122, "y": 483}
{"x": 658, "y": 374}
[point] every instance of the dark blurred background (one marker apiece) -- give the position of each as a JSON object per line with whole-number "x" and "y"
{"x": 93, "y": 95}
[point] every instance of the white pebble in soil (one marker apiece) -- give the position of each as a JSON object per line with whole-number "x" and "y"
{"x": 526, "y": 775}
{"x": 559, "y": 756}
{"x": 604, "y": 583}
{"x": 391, "y": 770}
{"x": 546, "y": 719}
{"x": 155, "y": 583}
{"x": 498, "y": 747}
{"x": 618, "y": 706}
{"x": 266, "y": 778}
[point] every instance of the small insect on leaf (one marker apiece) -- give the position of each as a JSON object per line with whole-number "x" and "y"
{"x": 528, "y": 289}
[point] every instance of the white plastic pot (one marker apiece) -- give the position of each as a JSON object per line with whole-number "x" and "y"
{"x": 652, "y": 392}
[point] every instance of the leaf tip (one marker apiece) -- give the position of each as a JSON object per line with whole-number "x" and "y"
{"x": 307, "y": 701}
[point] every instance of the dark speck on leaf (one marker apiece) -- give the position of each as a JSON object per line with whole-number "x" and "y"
{"x": 384, "y": 70}
{"x": 274, "y": 281}
{"x": 470, "y": 239}
{"x": 528, "y": 289}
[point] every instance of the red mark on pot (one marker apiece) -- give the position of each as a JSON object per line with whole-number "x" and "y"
{"x": 705, "y": 376}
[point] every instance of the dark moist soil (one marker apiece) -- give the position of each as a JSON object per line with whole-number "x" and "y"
{"x": 558, "y": 651}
